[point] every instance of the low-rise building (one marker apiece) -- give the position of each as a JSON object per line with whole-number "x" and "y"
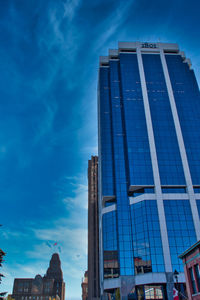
{"x": 191, "y": 261}
{"x": 49, "y": 287}
{"x": 84, "y": 286}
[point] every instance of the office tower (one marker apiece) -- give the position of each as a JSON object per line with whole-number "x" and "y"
{"x": 50, "y": 287}
{"x": 149, "y": 168}
{"x": 93, "y": 230}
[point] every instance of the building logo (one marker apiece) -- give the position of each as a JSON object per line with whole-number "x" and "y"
{"x": 148, "y": 45}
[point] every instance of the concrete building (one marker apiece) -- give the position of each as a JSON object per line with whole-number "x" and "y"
{"x": 49, "y": 287}
{"x": 191, "y": 262}
{"x": 93, "y": 230}
{"x": 149, "y": 168}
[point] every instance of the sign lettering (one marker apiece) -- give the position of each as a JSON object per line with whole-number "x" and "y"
{"x": 148, "y": 45}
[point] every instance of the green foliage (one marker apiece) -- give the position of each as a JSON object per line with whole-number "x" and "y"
{"x": 117, "y": 294}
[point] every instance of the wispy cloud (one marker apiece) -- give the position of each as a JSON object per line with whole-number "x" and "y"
{"x": 10, "y": 234}
{"x": 81, "y": 196}
{"x": 112, "y": 23}
{"x": 62, "y": 234}
{"x": 70, "y": 7}
{"x": 73, "y": 192}
{"x": 63, "y": 32}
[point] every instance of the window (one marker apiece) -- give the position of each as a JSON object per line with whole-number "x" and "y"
{"x": 196, "y": 189}
{"x": 148, "y": 254}
{"x": 197, "y": 272}
{"x": 180, "y": 228}
{"x": 20, "y": 287}
{"x": 47, "y": 287}
{"x": 173, "y": 190}
{"x": 194, "y": 290}
{"x": 153, "y": 292}
{"x": 26, "y": 285}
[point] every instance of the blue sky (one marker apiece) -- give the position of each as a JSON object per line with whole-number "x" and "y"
{"x": 49, "y": 63}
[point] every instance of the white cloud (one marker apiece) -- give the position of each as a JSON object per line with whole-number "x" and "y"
{"x": 65, "y": 236}
{"x": 10, "y": 234}
{"x": 70, "y": 7}
{"x": 81, "y": 196}
{"x": 73, "y": 192}
{"x": 68, "y": 36}
{"x": 112, "y": 23}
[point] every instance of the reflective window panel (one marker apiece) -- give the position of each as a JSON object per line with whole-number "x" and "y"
{"x": 187, "y": 97}
{"x": 167, "y": 149}
{"x": 180, "y": 228}
{"x": 136, "y": 137}
{"x": 105, "y": 149}
{"x": 148, "y": 252}
{"x": 110, "y": 254}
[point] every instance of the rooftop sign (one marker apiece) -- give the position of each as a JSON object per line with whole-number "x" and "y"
{"x": 148, "y": 45}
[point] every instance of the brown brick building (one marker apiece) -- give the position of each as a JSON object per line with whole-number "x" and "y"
{"x": 93, "y": 230}
{"x": 84, "y": 286}
{"x": 49, "y": 287}
{"x": 191, "y": 261}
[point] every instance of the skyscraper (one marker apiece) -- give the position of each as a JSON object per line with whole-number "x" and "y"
{"x": 149, "y": 167}
{"x": 93, "y": 230}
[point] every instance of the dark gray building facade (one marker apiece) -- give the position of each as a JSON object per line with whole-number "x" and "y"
{"x": 93, "y": 230}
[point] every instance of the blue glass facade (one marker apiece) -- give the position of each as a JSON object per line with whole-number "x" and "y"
{"x": 148, "y": 252}
{"x": 187, "y": 97}
{"x": 110, "y": 253}
{"x": 133, "y": 236}
{"x": 121, "y": 176}
{"x": 169, "y": 160}
{"x": 110, "y": 231}
{"x": 180, "y": 227}
{"x": 138, "y": 152}
{"x": 107, "y": 175}
{"x": 198, "y": 206}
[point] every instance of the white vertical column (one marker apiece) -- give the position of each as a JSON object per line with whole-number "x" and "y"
{"x": 161, "y": 212}
{"x": 181, "y": 147}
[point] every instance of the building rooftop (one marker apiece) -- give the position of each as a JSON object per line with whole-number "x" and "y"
{"x": 146, "y": 47}
{"x": 186, "y": 252}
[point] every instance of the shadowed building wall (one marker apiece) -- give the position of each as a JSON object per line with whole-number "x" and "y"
{"x": 84, "y": 286}
{"x": 93, "y": 229}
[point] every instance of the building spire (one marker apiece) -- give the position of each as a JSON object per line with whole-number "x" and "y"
{"x": 54, "y": 271}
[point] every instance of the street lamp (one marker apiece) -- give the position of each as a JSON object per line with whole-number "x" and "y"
{"x": 176, "y": 273}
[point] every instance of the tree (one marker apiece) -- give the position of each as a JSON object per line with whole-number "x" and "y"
{"x": 2, "y": 254}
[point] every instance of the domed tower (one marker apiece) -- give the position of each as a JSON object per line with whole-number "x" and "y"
{"x": 55, "y": 272}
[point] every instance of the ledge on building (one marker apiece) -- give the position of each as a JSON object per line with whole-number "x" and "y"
{"x": 186, "y": 252}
